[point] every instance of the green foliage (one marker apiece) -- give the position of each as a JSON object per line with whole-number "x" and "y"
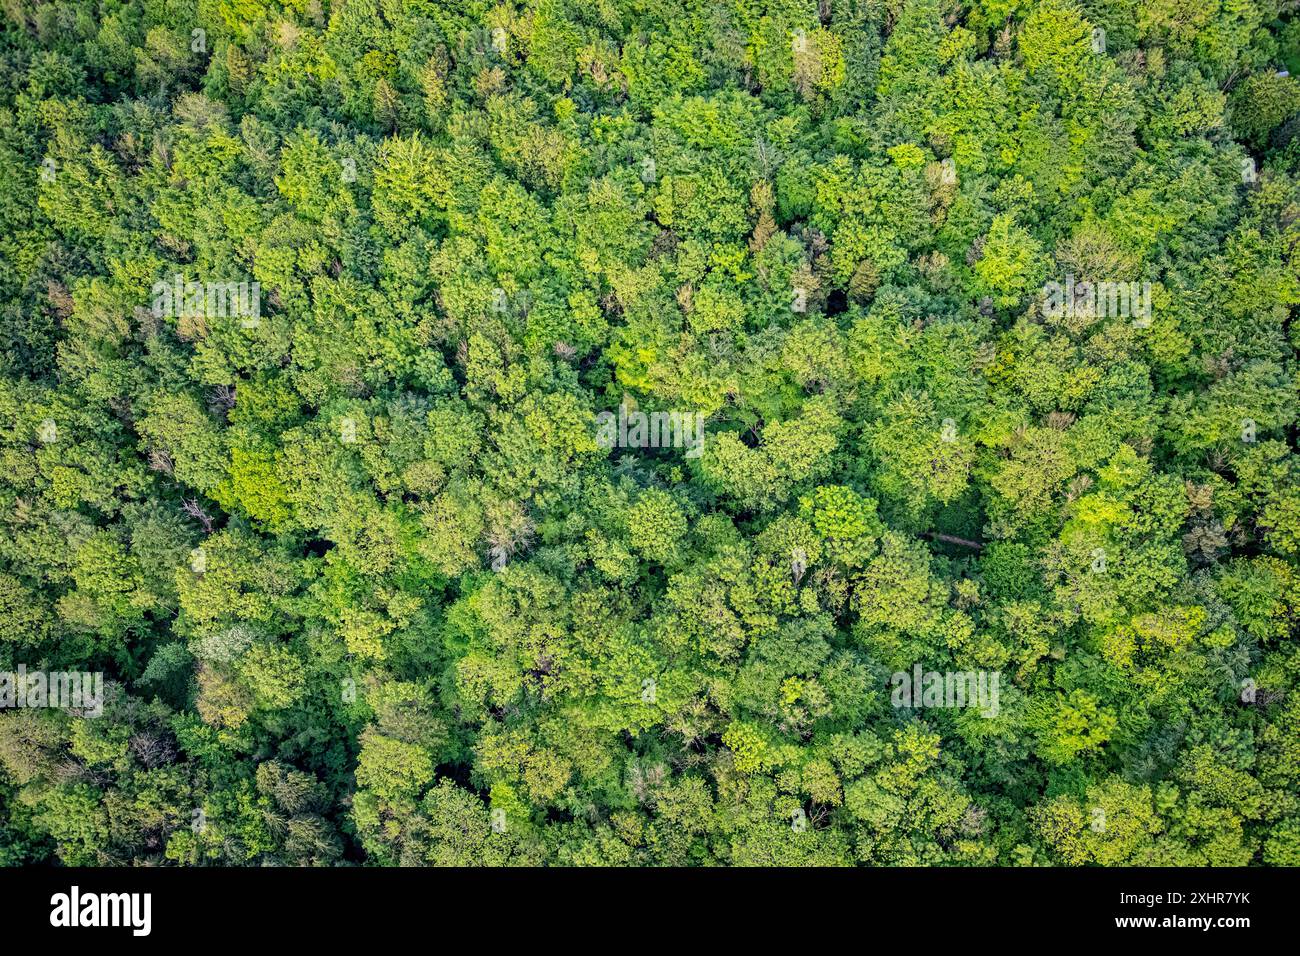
{"x": 366, "y": 582}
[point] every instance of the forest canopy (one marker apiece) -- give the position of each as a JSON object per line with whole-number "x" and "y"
{"x": 649, "y": 432}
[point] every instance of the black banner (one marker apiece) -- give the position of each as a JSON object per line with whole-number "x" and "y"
{"x": 144, "y": 906}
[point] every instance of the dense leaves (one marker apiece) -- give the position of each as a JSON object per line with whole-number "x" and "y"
{"x": 364, "y": 581}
